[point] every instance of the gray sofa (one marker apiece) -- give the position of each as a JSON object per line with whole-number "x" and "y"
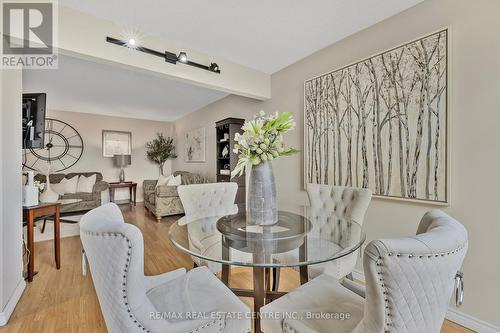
{"x": 164, "y": 200}
{"x": 89, "y": 200}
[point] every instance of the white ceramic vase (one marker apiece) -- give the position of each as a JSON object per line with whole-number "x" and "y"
{"x": 48, "y": 195}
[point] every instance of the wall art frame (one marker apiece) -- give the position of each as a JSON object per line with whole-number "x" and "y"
{"x": 343, "y": 101}
{"x": 195, "y": 145}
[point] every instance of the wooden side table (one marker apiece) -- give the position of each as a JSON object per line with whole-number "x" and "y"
{"x": 132, "y": 189}
{"x": 30, "y": 214}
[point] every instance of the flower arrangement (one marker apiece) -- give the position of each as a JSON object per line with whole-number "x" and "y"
{"x": 39, "y": 185}
{"x": 262, "y": 140}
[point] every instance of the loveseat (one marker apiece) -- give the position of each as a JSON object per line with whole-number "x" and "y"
{"x": 89, "y": 200}
{"x": 164, "y": 200}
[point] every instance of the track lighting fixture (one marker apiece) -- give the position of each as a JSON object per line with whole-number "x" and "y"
{"x": 169, "y": 57}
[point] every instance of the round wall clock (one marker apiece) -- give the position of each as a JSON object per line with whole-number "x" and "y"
{"x": 63, "y": 148}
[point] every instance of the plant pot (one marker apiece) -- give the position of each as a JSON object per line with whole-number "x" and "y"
{"x": 262, "y": 208}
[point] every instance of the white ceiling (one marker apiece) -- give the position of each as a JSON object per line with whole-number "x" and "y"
{"x": 266, "y": 35}
{"x": 89, "y": 87}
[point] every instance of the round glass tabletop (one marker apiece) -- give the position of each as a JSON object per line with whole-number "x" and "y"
{"x": 300, "y": 237}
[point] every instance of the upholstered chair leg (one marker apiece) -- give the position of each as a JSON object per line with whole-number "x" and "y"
{"x": 158, "y": 219}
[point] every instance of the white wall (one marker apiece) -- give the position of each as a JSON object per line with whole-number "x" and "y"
{"x": 90, "y": 128}
{"x": 474, "y": 130}
{"x": 231, "y": 106}
{"x": 11, "y": 264}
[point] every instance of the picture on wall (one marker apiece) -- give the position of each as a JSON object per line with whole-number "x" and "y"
{"x": 381, "y": 123}
{"x": 116, "y": 143}
{"x": 195, "y": 145}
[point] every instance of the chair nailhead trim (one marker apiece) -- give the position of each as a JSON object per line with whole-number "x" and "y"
{"x": 124, "y": 290}
{"x": 124, "y": 283}
{"x": 215, "y": 321}
{"x": 436, "y": 255}
{"x": 385, "y": 292}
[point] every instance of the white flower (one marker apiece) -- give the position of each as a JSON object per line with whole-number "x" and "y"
{"x": 262, "y": 139}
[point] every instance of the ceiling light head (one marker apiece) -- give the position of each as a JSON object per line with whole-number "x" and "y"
{"x": 183, "y": 57}
{"x": 214, "y": 67}
{"x": 132, "y": 43}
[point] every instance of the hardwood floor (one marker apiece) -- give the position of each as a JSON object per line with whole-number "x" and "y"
{"x": 65, "y": 301}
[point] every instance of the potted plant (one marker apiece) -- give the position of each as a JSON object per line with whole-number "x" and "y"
{"x": 160, "y": 150}
{"x": 260, "y": 143}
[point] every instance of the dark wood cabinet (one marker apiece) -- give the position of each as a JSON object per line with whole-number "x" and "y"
{"x": 226, "y": 158}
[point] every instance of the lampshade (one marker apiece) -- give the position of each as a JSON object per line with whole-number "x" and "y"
{"x": 122, "y": 160}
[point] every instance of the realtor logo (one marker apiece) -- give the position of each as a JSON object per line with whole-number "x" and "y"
{"x": 28, "y": 34}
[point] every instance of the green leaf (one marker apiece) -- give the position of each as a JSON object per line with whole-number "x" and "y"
{"x": 160, "y": 149}
{"x": 289, "y": 152}
{"x": 240, "y": 167}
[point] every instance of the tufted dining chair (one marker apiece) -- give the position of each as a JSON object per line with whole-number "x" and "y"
{"x": 208, "y": 202}
{"x": 409, "y": 282}
{"x": 330, "y": 204}
{"x": 132, "y": 302}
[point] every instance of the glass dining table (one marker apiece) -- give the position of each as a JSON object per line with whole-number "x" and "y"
{"x": 301, "y": 237}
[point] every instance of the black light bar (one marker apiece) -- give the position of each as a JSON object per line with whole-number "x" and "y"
{"x": 169, "y": 57}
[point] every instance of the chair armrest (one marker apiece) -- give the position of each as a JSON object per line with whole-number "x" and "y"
{"x": 354, "y": 287}
{"x": 99, "y": 187}
{"x": 149, "y": 185}
{"x": 155, "y": 280}
{"x": 165, "y": 191}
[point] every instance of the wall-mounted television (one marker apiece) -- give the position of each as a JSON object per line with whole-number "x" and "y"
{"x": 34, "y": 120}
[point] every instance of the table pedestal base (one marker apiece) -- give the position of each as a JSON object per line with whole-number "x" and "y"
{"x": 262, "y": 293}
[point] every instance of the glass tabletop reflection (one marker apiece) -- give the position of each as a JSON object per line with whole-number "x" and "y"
{"x": 302, "y": 236}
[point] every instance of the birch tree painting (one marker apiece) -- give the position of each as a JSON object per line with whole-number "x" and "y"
{"x": 381, "y": 123}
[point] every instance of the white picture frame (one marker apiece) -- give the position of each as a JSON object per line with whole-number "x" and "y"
{"x": 116, "y": 143}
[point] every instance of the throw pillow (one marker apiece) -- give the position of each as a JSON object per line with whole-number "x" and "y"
{"x": 71, "y": 185}
{"x": 175, "y": 181}
{"x": 163, "y": 180}
{"x": 59, "y": 188}
{"x": 86, "y": 184}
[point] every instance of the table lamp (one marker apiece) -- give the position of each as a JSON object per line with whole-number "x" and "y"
{"x": 122, "y": 161}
